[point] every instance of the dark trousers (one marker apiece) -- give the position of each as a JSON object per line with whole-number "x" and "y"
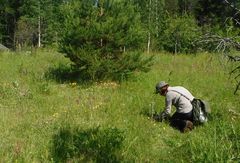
{"x": 178, "y": 120}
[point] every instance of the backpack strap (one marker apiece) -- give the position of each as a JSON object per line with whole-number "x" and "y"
{"x": 181, "y": 95}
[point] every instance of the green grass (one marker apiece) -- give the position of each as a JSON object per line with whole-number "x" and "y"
{"x": 49, "y": 116}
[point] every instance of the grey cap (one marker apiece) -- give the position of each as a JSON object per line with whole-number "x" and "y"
{"x": 160, "y": 85}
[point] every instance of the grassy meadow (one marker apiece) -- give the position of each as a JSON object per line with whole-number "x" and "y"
{"x": 47, "y": 115}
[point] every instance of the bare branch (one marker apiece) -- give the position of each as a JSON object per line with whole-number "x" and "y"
{"x": 237, "y": 12}
{"x": 234, "y": 70}
{"x": 237, "y": 88}
{"x": 234, "y": 58}
{"x": 231, "y": 5}
{"x": 236, "y": 77}
{"x": 234, "y": 43}
{"x": 223, "y": 44}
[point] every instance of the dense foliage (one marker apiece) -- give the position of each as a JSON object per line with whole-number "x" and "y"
{"x": 31, "y": 23}
{"x": 181, "y": 34}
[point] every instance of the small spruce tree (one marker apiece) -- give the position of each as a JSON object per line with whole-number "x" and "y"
{"x": 101, "y": 39}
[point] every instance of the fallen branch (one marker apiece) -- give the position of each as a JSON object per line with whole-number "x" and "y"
{"x": 237, "y": 88}
{"x": 234, "y": 58}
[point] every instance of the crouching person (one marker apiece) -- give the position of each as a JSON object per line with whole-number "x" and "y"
{"x": 181, "y": 98}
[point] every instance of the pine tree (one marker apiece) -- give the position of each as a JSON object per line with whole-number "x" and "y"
{"x": 98, "y": 36}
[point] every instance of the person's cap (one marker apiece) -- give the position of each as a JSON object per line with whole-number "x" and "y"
{"x": 160, "y": 85}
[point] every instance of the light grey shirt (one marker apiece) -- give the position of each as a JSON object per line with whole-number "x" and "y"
{"x": 179, "y": 97}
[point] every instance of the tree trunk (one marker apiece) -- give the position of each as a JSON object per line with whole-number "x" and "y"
{"x": 149, "y": 26}
{"x": 176, "y": 47}
{"x": 156, "y": 16}
{"x": 14, "y": 33}
{"x": 149, "y": 42}
{"x": 39, "y": 31}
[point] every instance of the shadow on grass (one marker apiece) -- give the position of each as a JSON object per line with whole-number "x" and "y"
{"x": 87, "y": 145}
{"x": 64, "y": 73}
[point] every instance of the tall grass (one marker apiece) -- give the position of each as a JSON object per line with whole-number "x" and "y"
{"x": 47, "y": 114}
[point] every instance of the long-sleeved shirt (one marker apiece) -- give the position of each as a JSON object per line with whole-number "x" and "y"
{"x": 179, "y": 97}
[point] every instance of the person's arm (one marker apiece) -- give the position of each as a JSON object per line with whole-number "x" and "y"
{"x": 164, "y": 115}
{"x": 168, "y": 105}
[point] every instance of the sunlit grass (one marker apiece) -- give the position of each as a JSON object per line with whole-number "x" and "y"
{"x": 34, "y": 107}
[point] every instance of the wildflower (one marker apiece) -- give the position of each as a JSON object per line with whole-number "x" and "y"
{"x": 55, "y": 115}
{"x": 98, "y": 105}
{"x": 73, "y": 84}
{"x": 107, "y": 84}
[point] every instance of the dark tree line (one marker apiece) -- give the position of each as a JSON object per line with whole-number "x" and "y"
{"x": 29, "y": 22}
{"x": 39, "y": 22}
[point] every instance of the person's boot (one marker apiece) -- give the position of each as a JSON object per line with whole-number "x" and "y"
{"x": 188, "y": 127}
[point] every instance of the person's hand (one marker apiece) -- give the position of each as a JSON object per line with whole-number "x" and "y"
{"x": 156, "y": 117}
{"x": 163, "y": 116}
